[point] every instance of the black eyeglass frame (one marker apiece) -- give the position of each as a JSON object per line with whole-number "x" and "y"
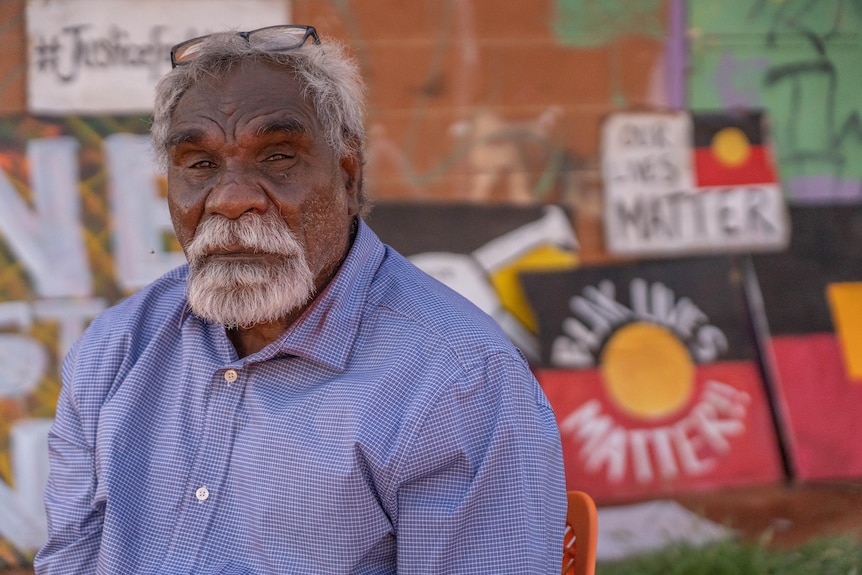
{"x": 309, "y": 31}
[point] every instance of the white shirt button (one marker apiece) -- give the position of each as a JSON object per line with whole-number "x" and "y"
{"x": 202, "y": 493}
{"x": 230, "y": 375}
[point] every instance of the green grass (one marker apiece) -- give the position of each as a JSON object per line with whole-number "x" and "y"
{"x": 827, "y": 556}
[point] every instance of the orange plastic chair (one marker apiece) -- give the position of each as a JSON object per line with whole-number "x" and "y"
{"x": 581, "y": 536}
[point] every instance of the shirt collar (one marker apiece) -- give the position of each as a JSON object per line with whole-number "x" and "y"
{"x": 327, "y": 330}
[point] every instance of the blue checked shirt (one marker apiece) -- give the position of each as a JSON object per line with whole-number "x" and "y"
{"x": 392, "y": 429}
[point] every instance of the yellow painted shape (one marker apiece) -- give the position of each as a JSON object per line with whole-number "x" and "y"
{"x": 845, "y": 303}
{"x": 731, "y": 147}
{"x": 505, "y": 280}
{"x": 647, "y": 370}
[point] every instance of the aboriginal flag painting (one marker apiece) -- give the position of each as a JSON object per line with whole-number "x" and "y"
{"x": 651, "y": 370}
{"x": 682, "y": 184}
{"x": 730, "y": 150}
{"x": 812, "y": 298}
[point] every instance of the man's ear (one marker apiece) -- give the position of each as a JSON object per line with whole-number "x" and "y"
{"x": 351, "y": 173}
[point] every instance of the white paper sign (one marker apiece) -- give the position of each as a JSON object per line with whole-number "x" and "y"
{"x": 655, "y": 205}
{"x": 105, "y": 56}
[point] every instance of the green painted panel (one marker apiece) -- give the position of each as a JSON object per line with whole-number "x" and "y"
{"x": 781, "y": 17}
{"x": 591, "y": 23}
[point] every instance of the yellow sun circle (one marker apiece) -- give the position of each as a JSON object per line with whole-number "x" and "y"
{"x": 647, "y": 370}
{"x": 731, "y": 146}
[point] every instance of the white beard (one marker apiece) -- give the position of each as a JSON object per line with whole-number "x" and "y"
{"x": 243, "y": 294}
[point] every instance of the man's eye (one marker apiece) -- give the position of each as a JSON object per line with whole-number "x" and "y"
{"x": 278, "y": 157}
{"x": 202, "y": 165}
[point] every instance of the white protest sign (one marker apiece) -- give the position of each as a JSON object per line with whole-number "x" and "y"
{"x": 105, "y": 56}
{"x": 676, "y": 187}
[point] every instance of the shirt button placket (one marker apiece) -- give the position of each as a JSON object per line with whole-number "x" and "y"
{"x": 230, "y": 376}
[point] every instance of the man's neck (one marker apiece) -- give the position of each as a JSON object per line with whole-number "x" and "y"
{"x": 251, "y": 340}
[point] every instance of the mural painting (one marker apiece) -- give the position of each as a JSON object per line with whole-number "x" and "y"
{"x": 63, "y": 184}
{"x": 480, "y": 113}
{"x": 653, "y": 375}
{"x": 798, "y": 60}
{"x": 680, "y": 184}
{"x": 105, "y": 56}
{"x": 480, "y": 251}
{"x": 812, "y": 301}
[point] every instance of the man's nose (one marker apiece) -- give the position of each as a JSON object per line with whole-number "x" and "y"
{"x": 237, "y": 191}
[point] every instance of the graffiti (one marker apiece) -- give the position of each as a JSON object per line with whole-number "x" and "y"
{"x": 65, "y": 54}
{"x": 592, "y": 24}
{"x": 691, "y": 446}
{"x": 480, "y": 154}
{"x": 22, "y": 512}
{"x": 47, "y": 240}
{"x": 681, "y": 183}
{"x": 99, "y": 57}
{"x": 805, "y": 73}
{"x": 806, "y": 80}
{"x": 652, "y": 377}
{"x": 63, "y": 264}
{"x": 597, "y": 314}
{"x": 504, "y": 160}
{"x": 473, "y": 275}
{"x": 497, "y": 153}
{"x": 810, "y": 324}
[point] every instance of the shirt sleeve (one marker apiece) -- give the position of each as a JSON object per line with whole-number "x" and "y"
{"x": 482, "y": 488}
{"x": 74, "y": 521}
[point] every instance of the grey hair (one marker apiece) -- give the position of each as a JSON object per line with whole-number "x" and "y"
{"x": 326, "y": 74}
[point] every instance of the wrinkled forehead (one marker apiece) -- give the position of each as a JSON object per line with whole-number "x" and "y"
{"x": 216, "y": 62}
{"x": 248, "y": 106}
{"x": 246, "y": 89}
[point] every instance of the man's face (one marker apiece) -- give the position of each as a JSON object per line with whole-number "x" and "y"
{"x": 248, "y": 160}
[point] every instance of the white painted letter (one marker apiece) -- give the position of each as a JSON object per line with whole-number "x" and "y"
{"x": 140, "y": 215}
{"x": 48, "y": 242}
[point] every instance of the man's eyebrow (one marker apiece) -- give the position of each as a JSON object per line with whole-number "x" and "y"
{"x": 287, "y": 125}
{"x": 184, "y": 137}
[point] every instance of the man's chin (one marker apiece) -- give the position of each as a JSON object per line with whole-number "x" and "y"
{"x": 242, "y": 294}
{"x": 238, "y": 309}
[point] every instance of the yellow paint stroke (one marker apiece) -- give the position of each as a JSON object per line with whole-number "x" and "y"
{"x": 505, "y": 279}
{"x": 647, "y": 370}
{"x": 845, "y": 303}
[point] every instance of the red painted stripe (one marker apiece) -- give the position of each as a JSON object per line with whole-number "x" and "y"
{"x": 758, "y": 169}
{"x": 822, "y": 405}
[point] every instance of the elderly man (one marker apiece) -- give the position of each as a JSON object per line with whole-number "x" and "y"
{"x": 299, "y": 398}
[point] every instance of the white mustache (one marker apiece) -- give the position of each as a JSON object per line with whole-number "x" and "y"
{"x": 265, "y": 234}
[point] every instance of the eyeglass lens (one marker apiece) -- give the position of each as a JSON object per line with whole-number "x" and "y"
{"x": 278, "y": 38}
{"x": 275, "y": 38}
